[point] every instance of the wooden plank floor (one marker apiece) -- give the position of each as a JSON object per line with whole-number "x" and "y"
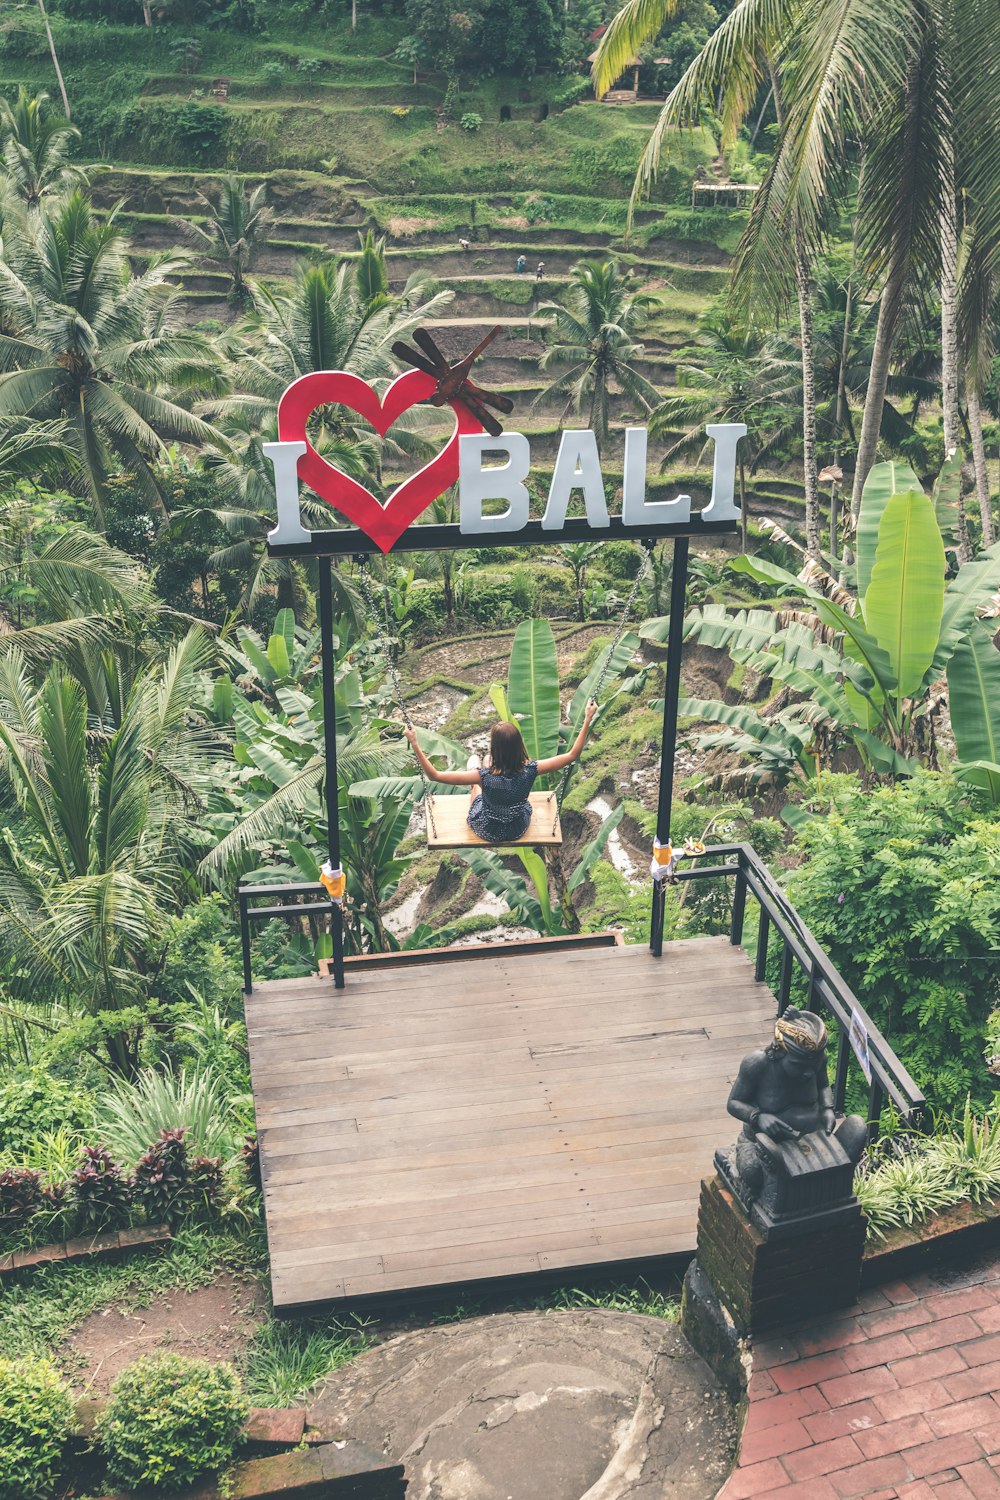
{"x": 498, "y": 1114}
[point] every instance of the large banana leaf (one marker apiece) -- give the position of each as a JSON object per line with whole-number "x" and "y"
{"x": 884, "y": 481}
{"x": 966, "y": 593}
{"x": 595, "y": 848}
{"x": 905, "y": 598}
{"x": 514, "y": 889}
{"x": 947, "y": 491}
{"x": 974, "y": 698}
{"x": 768, "y": 572}
{"x": 533, "y": 687}
{"x": 716, "y": 626}
{"x": 624, "y": 652}
{"x": 498, "y": 697}
{"x": 539, "y": 877}
{"x": 984, "y": 774}
{"x": 713, "y": 711}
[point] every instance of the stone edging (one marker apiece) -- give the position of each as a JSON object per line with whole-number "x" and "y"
{"x": 964, "y": 1229}
{"x": 86, "y": 1247}
{"x": 318, "y": 1466}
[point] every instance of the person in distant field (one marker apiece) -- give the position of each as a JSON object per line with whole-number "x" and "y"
{"x": 465, "y": 244}
{"x": 520, "y": 264}
{"x": 541, "y": 270}
{"x": 500, "y": 810}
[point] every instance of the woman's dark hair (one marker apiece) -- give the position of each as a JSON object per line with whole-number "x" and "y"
{"x": 507, "y": 752}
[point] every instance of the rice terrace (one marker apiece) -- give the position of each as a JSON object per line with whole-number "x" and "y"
{"x": 499, "y": 750}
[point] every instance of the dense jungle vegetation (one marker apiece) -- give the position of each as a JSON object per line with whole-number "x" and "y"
{"x": 200, "y": 202}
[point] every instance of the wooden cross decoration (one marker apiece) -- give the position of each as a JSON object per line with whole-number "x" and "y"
{"x": 453, "y": 383}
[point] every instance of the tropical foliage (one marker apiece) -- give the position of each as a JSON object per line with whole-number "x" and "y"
{"x": 868, "y": 663}
{"x": 593, "y": 341}
{"x": 86, "y": 341}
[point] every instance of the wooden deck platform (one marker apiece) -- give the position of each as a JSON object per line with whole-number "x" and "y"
{"x": 493, "y": 1112}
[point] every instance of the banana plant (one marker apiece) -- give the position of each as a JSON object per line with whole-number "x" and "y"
{"x": 273, "y": 813}
{"x": 974, "y": 699}
{"x": 531, "y": 698}
{"x": 530, "y": 897}
{"x": 776, "y": 748}
{"x": 867, "y": 661}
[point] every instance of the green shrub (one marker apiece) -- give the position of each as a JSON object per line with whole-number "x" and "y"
{"x": 272, "y": 72}
{"x": 907, "y": 1179}
{"x": 499, "y": 598}
{"x": 36, "y": 1417}
{"x": 471, "y": 121}
{"x": 200, "y": 130}
{"x": 426, "y": 604}
{"x": 620, "y": 559}
{"x": 310, "y": 66}
{"x": 901, "y": 886}
{"x": 169, "y": 1421}
{"x": 577, "y": 87}
{"x": 38, "y": 1104}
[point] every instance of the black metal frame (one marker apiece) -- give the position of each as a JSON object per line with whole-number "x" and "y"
{"x": 293, "y": 911}
{"x": 889, "y": 1080}
{"x": 348, "y": 541}
{"x": 668, "y": 741}
{"x": 678, "y": 587}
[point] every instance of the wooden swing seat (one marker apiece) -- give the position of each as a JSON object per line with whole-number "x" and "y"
{"x": 448, "y": 827}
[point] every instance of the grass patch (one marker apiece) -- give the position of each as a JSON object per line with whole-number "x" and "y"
{"x": 287, "y": 1360}
{"x": 41, "y": 1310}
{"x": 640, "y": 1298}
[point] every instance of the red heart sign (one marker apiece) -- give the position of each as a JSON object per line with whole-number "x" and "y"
{"x": 386, "y": 523}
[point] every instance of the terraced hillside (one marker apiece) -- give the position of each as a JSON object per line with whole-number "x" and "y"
{"x": 355, "y": 142}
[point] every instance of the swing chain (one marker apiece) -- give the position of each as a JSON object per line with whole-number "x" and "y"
{"x": 647, "y": 548}
{"x": 385, "y": 645}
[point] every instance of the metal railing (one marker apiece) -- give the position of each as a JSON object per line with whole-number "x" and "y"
{"x": 890, "y": 1080}
{"x": 291, "y": 893}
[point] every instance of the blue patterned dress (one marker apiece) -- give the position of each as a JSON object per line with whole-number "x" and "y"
{"x": 501, "y": 811}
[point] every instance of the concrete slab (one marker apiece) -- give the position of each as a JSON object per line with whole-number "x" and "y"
{"x": 575, "y": 1405}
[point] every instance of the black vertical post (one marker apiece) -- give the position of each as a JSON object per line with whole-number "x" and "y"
{"x": 668, "y": 744}
{"x": 330, "y": 740}
{"x": 245, "y": 941}
{"x": 763, "y": 929}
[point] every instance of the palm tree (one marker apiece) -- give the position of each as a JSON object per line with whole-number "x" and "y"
{"x": 333, "y": 317}
{"x": 55, "y": 58}
{"x": 86, "y": 341}
{"x": 237, "y": 227}
{"x": 733, "y": 377}
{"x": 593, "y": 337}
{"x": 244, "y": 483}
{"x": 901, "y": 83}
{"x": 66, "y": 594}
{"x": 36, "y": 145}
{"x": 97, "y": 833}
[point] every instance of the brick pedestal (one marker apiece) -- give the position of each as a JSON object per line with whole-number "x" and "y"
{"x": 764, "y": 1283}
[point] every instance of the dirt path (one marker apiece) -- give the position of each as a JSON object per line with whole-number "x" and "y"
{"x": 213, "y": 1322}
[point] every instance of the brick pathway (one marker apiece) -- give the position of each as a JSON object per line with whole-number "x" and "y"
{"x": 896, "y": 1399}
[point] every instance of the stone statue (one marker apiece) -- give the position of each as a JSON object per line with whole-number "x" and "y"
{"x": 793, "y": 1164}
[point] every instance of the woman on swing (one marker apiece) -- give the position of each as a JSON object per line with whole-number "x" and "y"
{"x": 500, "y": 810}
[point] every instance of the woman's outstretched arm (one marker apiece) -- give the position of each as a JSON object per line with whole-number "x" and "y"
{"x": 556, "y": 762}
{"x": 450, "y": 778}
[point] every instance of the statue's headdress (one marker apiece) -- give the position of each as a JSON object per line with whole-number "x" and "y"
{"x": 800, "y": 1033}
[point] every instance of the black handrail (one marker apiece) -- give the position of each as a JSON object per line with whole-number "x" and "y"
{"x": 290, "y": 892}
{"x": 889, "y": 1078}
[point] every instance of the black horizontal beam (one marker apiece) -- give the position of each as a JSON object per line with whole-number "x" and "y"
{"x": 257, "y": 913}
{"x": 343, "y": 541}
{"x": 287, "y": 887}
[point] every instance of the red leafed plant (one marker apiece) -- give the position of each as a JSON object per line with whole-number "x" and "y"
{"x": 100, "y": 1189}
